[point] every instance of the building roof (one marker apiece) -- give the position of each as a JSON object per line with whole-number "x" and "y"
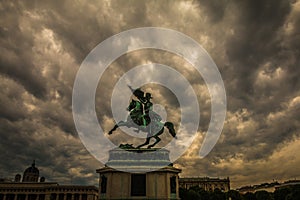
{"x": 203, "y": 179}
{"x": 32, "y": 169}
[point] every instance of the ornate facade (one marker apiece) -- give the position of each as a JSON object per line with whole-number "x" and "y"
{"x": 34, "y": 188}
{"x": 208, "y": 184}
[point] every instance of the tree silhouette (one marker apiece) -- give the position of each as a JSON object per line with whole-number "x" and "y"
{"x": 263, "y": 195}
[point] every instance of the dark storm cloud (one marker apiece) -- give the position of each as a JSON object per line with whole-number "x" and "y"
{"x": 215, "y": 8}
{"x": 255, "y": 45}
{"x": 258, "y": 79}
{"x": 36, "y": 82}
{"x": 255, "y": 49}
{"x": 255, "y": 38}
{"x": 16, "y": 51}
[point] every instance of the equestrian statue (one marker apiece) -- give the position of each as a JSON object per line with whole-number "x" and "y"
{"x": 143, "y": 118}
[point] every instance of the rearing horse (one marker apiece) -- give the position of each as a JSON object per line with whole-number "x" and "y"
{"x": 151, "y": 124}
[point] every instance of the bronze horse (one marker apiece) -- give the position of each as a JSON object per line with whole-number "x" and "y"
{"x": 148, "y": 123}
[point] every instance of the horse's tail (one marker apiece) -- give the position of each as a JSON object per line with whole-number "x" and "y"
{"x": 170, "y": 126}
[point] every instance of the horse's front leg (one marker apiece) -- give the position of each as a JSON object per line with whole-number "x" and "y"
{"x": 121, "y": 123}
{"x": 113, "y": 129}
{"x": 157, "y": 139}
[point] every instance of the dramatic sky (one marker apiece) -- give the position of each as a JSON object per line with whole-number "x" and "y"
{"x": 254, "y": 43}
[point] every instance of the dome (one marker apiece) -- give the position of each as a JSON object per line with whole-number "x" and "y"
{"x": 31, "y": 174}
{"x": 32, "y": 169}
{"x": 18, "y": 178}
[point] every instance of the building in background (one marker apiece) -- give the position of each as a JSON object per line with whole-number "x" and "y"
{"x": 269, "y": 187}
{"x": 31, "y": 174}
{"x": 33, "y": 187}
{"x": 206, "y": 183}
{"x": 288, "y": 184}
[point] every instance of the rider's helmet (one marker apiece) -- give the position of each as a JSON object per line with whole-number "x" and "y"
{"x": 148, "y": 96}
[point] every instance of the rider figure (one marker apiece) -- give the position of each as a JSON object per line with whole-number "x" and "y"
{"x": 147, "y": 105}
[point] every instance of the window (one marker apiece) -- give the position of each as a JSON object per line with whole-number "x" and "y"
{"x": 41, "y": 197}
{"x": 138, "y": 184}
{"x": 61, "y": 196}
{"x": 10, "y": 197}
{"x": 32, "y": 197}
{"x": 21, "y": 197}
{"x": 103, "y": 184}
{"x": 69, "y": 196}
{"x": 173, "y": 184}
{"x": 53, "y": 196}
{"x": 76, "y": 196}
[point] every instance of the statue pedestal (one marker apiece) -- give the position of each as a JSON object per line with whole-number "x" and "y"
{"x": 138, "y": 174}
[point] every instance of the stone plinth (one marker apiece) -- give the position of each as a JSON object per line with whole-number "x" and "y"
{"x": 138, "y": 160}
{"x": 138, "y": 174}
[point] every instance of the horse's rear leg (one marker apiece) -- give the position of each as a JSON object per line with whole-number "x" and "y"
{"x": 171, "y": 129}
{"x": 147, "y": 142}
{"x": 157, "y": 140}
